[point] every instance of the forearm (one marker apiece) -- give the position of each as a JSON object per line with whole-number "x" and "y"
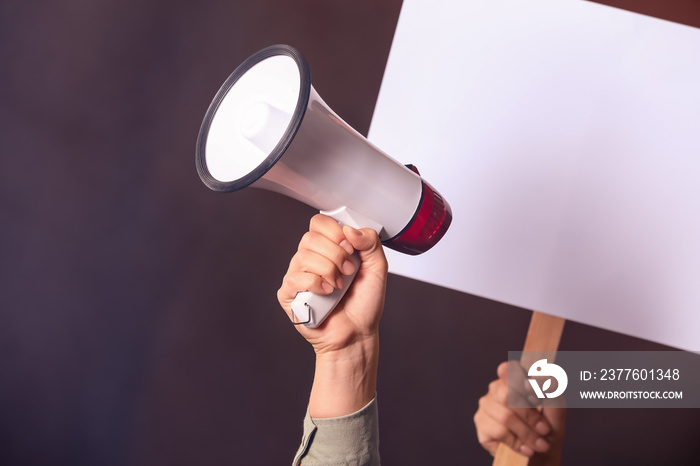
{"x": 345, "y": 381}
{"x": 341, "y": 422}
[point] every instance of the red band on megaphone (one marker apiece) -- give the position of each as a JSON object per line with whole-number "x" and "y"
{"x": 429, "y": 225}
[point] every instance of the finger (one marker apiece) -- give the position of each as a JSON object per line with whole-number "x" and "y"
{"x": 328, "y": 227}
{"x": 504, "y": 395}
{"x": 294, "y": 283}
{"x": 368, "y": 245}
{"x": 321, "y": 244}
{"x": 511, "y": 419}
{"x": 490, "y": 431}
{"x": 507, "y": 395}
{"x": 500, "y": 392}
{"x": 303, "y": 281}
{"x": 502, "y": 369}
{"x": 514, "y": 375}
{"x": 309, "y": 261}
{"x": 486, "y": 433}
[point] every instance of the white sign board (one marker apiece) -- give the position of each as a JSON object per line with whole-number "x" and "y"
{"x": 566, "y": 137}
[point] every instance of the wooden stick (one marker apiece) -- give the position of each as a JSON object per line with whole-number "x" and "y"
{"x": 543, "y": 334}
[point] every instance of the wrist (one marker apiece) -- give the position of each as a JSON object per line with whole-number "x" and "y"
{"x": 345, "y": 380}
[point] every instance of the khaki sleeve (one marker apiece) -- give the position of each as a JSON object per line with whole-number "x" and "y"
{"x": 351, "y": 440}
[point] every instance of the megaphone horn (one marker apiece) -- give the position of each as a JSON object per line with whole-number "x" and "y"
{"x": 267, "y": 127}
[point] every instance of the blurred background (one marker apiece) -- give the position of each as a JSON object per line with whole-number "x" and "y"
{"x": 138, "y": 315}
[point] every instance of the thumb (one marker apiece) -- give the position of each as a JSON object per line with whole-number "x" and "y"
{"x": 368, "y": 245}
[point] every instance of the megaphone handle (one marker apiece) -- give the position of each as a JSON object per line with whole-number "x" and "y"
{"x": 312, "y": 309}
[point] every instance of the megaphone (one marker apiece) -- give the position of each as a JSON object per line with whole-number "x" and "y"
{"x": 268, "y": 128}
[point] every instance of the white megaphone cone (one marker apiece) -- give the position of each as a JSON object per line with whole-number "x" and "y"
{"x": 268, "y": 128}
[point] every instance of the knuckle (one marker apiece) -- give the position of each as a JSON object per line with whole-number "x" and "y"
{"x": 315, "y": 221}
{"x": 302, "y": 258}
{"x": 307, "y": 239}
{"x": 298, "y": 258}
{"x": 313, "y": 281}
{"x": 289, "y": 286}
{"x": 326, "y": 226}
{"x": 500, "y": 433}
{"x": 295, "y": 265}
{"x": 339, "y": 255}
{"x": 501, "y": 394}
{"x": 330, "y": 270}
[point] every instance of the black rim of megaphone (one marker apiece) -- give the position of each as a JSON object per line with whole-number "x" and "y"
{"x": 282, "y": 145}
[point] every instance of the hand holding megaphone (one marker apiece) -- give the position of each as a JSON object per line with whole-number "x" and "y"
{"x": 268, "y": 128}
{"x": 321, "y": 264}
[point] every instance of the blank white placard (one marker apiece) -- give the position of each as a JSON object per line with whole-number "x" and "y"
{"x": 566, "y": 137}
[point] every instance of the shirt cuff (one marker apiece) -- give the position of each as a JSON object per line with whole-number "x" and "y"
{"x": 351, "y": 440}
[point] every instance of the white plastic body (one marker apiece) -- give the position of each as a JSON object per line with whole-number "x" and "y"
{"x": 329, "y": 165}
{"x": 312, "y": 309}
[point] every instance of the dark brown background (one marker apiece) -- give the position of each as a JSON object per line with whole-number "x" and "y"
{"x": 138, "y": 319}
